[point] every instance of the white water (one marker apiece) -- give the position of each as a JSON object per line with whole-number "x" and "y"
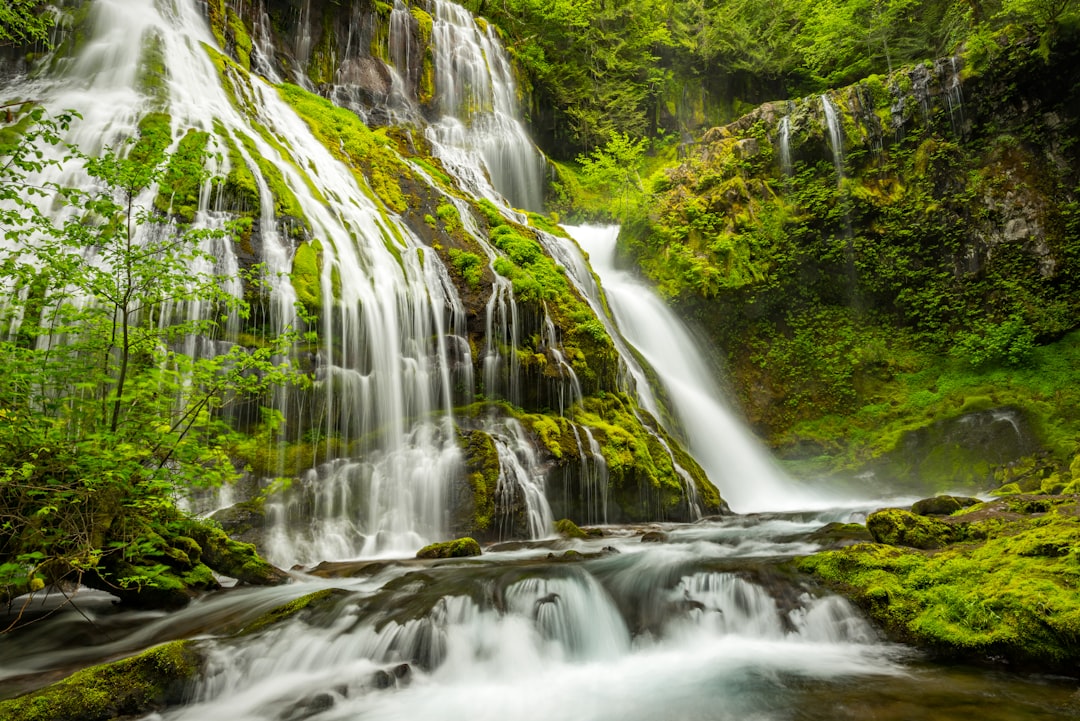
{"x": 733, "y": 459}
{"x": 480, "y": 136}
{"x": 384, "y": 373}
{"x": 639, "y": 632}
{"x": 785, "y": 144}
{"x": 836, "y": 138}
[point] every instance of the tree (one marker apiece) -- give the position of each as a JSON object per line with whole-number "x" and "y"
{"x": 105, "y": 419}
{"x": 613, "y": 169}
{"x": 23, "y": 22}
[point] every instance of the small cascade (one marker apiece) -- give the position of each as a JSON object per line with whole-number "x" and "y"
{"x": 381, "y": 103}
{"x": 594, "y": 480}
{"x": 574, "y": 613}
{"x": 567, "y": 386}
{"x": 734, "y": 460}
{"x": 501, "y": 367}
{"x": 651, "y": 632}
{"x": 521, "y": 497}
{"x": 304, "y": 40}
{"x": 784, "y": 133}
{"x": 836, "y": 137}
{"x": 262, "y": 46}
{"x": 479, "y": 136}
{"x": 949, "y": 72}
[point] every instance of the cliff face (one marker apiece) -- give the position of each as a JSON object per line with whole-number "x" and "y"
{"x": 454, "y": 367}
{"x": 837, "y": 246}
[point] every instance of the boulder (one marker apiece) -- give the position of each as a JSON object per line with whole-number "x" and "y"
{"x": 458, "y": 548}
{"x": 897, "y": 527}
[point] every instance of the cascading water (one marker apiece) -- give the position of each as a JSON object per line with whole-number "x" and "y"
{"x": 479, "y": 135}
{"x": 701, "y": 625}
{"x": 743, "y": 471}
{"x": 949, "y": 71}
{"x": 836, "y": 138}
{"x": 785, "y": 144}
{"x": 384, "y": 372}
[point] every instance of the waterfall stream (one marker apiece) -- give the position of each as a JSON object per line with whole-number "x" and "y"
{"x": 733, "y": 458}
{"x": 836, "y": 136}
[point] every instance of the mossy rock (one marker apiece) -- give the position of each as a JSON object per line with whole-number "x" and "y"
{"x": 836, "y": 534}
{"x": 305, "y": 604}
{"x": 458, "y": 548}
{"x": 1005, "y": 594}
{"x": 233, "y": 558}
{"x": 132, "y": 687}
{"x": 896, "y": 527}
{"x": 568, "y": 529}
{"x": 942, "y": 505}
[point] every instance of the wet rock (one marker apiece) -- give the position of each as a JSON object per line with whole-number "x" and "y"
{"x": 390, "y": 678}
{"x": 838, "y": 535}
{"x": 458, "y": 548}
{"x": 654, "y": 537}
{"x": 132, "y": 687}
{"x": 942, "y": 505}
{"x": 382, "y": 679}
{"x": 309, "y": 707}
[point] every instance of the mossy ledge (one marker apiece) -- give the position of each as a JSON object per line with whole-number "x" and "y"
{"x": 132, "y": 687}
{"x": 1003, "y": 588}
{"x": 458, "y": 548}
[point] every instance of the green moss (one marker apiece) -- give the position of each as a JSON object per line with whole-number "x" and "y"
{"x": 897, "y": 527}
{"x": 424, "y": 24}
{"x": 482, "y": 473}
{"x": 292, "y": 608}
{"x": 181, "y": 184}
{"x": 286, "y": 206}
{"x": 458, "y": 548}
{"x": 307, "y": 274}
{"x": 153, "y": 76}
{"x": 239, "y": 190}
{"x": 1011, "y": 594}
{"x": 131, "y": 687}
{"x": 241, "y": 41}
{"x": 375, "y": 165}
{"x": 321, "y": 67}
{"x": 568, "y": 529}
{"x": 216, "y": 11}
{"x": 233, "y": 558}
{"x": 155, "y": 136}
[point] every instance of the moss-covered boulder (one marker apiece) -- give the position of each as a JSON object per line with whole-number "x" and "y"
{"x": 942, "y": 505}
{"x": 897, "y": 527}
{"x": 472, "y": 506}
{"x": 1006, "y": 593}
{"x": 233, "y": 558}
{"x": 132, "y": 687}
{"x": 568, "y": 529}
{"x": 458, "y": 548}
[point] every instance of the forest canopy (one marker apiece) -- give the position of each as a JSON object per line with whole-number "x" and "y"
{"x": 599, "y": 67}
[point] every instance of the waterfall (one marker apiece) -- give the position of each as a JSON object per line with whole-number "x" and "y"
{"x": 836, "y": 137}
{"x": 954, "y": 94}
{"x": 521, "y": 492}
{"x": 734, "y": 460}
{"x": 479, "y": 136}
{"x": 785, "y": 144}
{"x": 388, "y": 358}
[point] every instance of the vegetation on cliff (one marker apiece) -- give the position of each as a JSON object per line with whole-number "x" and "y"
{"x": 1000, "y": 584}
{"x": 928, "y": 275}
{"x": 101, "y": 432}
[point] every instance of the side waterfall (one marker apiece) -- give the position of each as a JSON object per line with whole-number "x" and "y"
{"x": 733, "y": 458}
